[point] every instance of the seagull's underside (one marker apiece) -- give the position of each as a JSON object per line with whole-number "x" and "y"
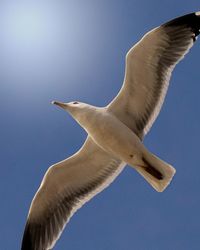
{"x": 115, "y": 134}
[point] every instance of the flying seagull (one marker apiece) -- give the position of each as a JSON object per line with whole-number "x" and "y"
{"x": 115, "y": 134}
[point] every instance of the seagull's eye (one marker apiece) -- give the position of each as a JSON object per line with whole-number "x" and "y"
{"x": 75, "y": 102}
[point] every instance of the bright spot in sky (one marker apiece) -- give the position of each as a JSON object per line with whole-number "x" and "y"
{"x": 25, "y": 24}
{"x": 31, "y": 35}
{"x": 41, "y": 43}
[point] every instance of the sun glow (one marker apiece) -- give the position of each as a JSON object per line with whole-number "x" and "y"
{"x": 25, "y": 24}
{"x": 42, "y": 41}
{"x": 30, "y": 41}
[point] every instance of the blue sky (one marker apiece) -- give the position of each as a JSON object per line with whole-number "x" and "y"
{"x": 74, "y": 50}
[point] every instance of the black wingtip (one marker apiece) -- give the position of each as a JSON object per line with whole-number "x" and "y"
{"x": 27, "y": 241}
{"x": 191, "y": 20}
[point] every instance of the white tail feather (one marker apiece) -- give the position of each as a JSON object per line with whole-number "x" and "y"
{"x": 156, "y": 172}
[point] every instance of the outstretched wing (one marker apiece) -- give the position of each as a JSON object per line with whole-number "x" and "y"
{"x": 66, "y": 187}
{"x": 149, "y": 65}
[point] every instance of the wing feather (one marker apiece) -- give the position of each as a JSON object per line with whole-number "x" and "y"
{"x": 149, "y": 65}
{"x": 65, "y": 188}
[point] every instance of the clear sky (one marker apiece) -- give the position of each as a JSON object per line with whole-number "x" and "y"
{"x": 75, "y": 50}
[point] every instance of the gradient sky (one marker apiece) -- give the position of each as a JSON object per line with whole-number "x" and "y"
{"x": 75, "y": 50}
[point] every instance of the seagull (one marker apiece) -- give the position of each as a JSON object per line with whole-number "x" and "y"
{"x": 115, "y": 134}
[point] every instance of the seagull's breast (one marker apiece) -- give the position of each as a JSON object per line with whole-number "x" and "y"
{"x": 112, "y": 135}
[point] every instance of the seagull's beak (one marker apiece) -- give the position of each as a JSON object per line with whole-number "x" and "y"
{"x": 60, "y": 104}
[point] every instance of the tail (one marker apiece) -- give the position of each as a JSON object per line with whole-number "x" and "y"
{"x": 156, "y": 172}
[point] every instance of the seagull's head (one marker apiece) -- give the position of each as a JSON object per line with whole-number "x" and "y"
{"x": 71, "y": 107}
{"x": 78, "y": 110}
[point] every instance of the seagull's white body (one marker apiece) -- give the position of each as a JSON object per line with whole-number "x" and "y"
{"x": 115, "y": 134}
{"x": 118, "y": 140}
{"x": 110, "y": 133}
